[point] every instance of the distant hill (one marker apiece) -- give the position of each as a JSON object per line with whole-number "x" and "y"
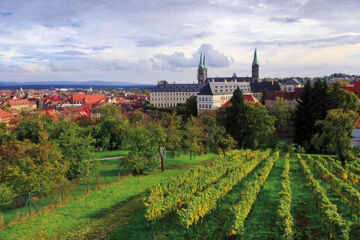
{"x": 74, "y": 84}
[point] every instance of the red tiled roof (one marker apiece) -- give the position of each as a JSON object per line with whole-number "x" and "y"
{"x": 286, "y": 95}
{"x": 78, "y": 97}
{"x": 5, "y": 116}
{"x": 247, "y": 97}
{"x": 20, "y": 102}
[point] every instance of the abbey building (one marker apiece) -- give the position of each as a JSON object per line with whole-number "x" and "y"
{"x": 211, "y": 92}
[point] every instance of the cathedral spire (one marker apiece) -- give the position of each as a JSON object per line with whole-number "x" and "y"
{"x": 201, "y": 60}
{"x": 255, "y": 68}
{"x": 255, "y": 61}
{"x": 204, "y": 65}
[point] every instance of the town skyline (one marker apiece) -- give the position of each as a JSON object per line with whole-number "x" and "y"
{"x": 142, "y": 42}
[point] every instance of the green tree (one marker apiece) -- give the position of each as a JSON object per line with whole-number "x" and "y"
{"x": 340, "y": 98}
{"x": 160, "y": 140}
{"x": 234, "y": 117}
{"x": 107, "y": 111}
{"x": 171, "y": 123}
{"x": 336, "y": 134}
{"x": 224, "y": 141}
{"x": 30, "y": 167}
{"x": 282, "y": 112}
{"x": 75, "y": 147}
{"x": 260, "y": 125}
{"x": 211, "y": 130}
{"x": 191, "y": 107}
{"x": 193, "y": 135}
{"x": 142, "y": 150}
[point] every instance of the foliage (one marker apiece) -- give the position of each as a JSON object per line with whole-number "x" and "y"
{"x": 204, "y": 202}
{"x": 285, "y": 217}
{"x": 337, "y": 226}
{"x": 142, "y": 150}
{"x": 251, "y": 191}
{"x": 250, "y": 125}
{"x": 172, "y": 127}
{"x": 282, "y": 113}
{"x": 335, "y": 137}
{"x": 191, "y": 107}
{"x": 30, "y": 167}
{"x": 193, "y": 135}
{"x": 166, "y": 197}
{"x": 75, "y": 146}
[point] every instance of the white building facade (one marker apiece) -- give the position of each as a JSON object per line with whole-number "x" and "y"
{"x": 215, "y": 94}
{"x": 170, "y": 95}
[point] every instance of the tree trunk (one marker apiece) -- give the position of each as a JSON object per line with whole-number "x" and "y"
{"x": 223, "y": 151}
{"x": 161, "y": 159}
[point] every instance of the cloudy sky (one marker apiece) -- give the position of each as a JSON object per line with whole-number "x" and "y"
{"x": 147, "y": 40}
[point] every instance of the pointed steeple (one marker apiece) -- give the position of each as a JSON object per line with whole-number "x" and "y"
{"x": 201, "y": 60}
{"x": 204, "y": 65}
{"x": 255, "y": 61}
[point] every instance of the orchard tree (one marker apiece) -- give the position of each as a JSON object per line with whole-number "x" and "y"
{"x": 171, "y": 123}
{"x": 224, "y": 140}
{"x": 193, "y": 135}
{"x": 160, "y": 140}
{"x": 75, "y": 147}
{"x": 30, "y": 167}
{"x": 282, "y": 112}
{"x": 336, "y": 135}
{"x": 260, "y": 125}
{"x": 142, "y": 150}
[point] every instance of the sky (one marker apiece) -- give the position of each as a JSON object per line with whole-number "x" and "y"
{"x": 144, "y": 41}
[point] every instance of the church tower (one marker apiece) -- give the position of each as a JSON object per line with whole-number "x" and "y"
{"x": 202, "y": 70}
{"x": 255, "y": 68}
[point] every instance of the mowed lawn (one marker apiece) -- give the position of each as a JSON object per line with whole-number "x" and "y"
{"x": 106, "y": 154}
{"x": 76, "y": 218}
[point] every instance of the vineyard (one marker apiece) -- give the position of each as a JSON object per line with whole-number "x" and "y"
{"x": 254, "y": 195}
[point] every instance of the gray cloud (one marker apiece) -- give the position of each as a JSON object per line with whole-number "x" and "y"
{"x": 178, "y": 60}
{"x": 72, "y": 53}
{"x": 5, "y": 14}
{"x": 11, "y": 69}
{"x": 285, "y": 19}
{"x": 89, "y": 64}
{"x": 347, "y": 38}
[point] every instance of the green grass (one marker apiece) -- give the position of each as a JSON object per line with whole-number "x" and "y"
{"x": 96, "y": 212}
{"x": 106, "y": 154}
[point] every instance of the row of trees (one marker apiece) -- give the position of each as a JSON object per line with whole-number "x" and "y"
{"x": 324, "y": 119}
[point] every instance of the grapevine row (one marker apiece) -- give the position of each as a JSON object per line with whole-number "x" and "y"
{"x": 286, "y": 220}
{"x": 251, "y": 190}
{"x": 172, "y": 196}
{"x": 342, "y": 188}
{"x": 205, "y": 202}
{"x": 339, "y": 171}
{"x": 336, "y": 225}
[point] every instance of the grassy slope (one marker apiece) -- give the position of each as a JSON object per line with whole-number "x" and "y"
{"x": 75, "y": 216}
{"x": 107, "y": 171}
{"x": 213, "y": 226}
{"x": 307, "y": 223}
